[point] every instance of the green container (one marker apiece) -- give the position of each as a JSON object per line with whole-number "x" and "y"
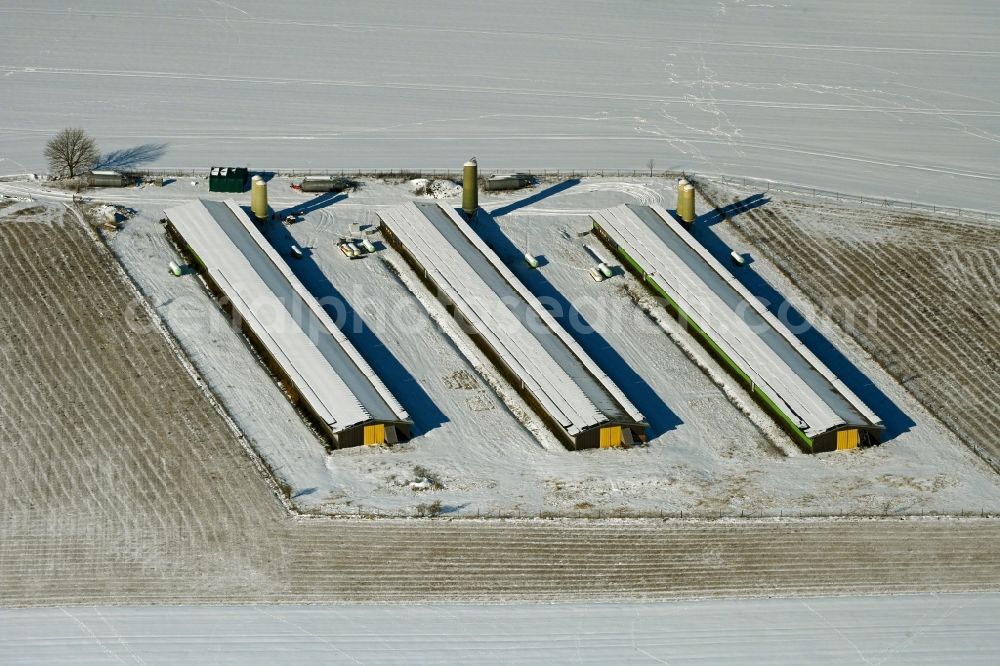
{"x": 228, "y": 179}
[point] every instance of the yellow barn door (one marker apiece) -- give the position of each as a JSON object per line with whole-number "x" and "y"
{"x": 611, "y": 437}
{"x": 375, "y": 434}
{"x": 847, "y": 439}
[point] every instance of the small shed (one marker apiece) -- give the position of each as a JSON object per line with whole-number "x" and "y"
{"x": 228, "y": 179}
{"x": 510, "y": 181}
{"x": 105, "y": 178}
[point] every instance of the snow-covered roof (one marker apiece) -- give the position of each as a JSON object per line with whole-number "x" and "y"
{"x": 326, "y": 369}
{"x": 549, "y": 362}
{"x": 762, "y": 346}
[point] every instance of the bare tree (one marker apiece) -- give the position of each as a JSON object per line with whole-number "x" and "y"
{"x": 71, "y": 152}
{"x": 650, "y": 164}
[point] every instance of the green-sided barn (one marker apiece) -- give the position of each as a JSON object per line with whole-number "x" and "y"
{"x": 786, "y": 378}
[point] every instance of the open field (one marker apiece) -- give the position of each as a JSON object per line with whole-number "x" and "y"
{"x": 868, "y": 98}
{"x": 105, "y": 437}
{"x": 919, "y": 294}
{"x": 112, "y": 495}
{"x": 912, "y": 629}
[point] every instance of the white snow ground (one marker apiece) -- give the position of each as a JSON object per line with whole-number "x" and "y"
{"x": 871, "y": 98}
{"x": 918, "y": 629}
{"x": 705, "y": 454}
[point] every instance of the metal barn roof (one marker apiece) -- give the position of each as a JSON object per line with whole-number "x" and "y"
{"x": 553, "y": 367}
{"x": 791, "y": 375}
{"x": 326, "y": 369}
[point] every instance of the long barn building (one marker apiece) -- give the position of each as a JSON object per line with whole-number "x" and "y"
{"x": 542, "y": 361}
{"x": 320, "y": 368}
{"x": 803, "y": 395}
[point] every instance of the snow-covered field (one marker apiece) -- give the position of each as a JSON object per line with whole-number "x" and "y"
{"x": 873, "y": 98}
{"x": 918, "y": 629}
{"x": 100, "y": 507}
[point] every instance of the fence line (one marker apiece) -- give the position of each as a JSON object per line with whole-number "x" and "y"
{"x": 452, "y": 513}
{"x": 423, "y": 172}
{"x": 545, "y": 174}
{"x": 884, "y": 202}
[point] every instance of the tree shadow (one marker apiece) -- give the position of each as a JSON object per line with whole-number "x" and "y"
{"x": 425, "y": 414}
{"x": 660, "y": 417}
{"x": 130, "y": 158}
{"x": 896, "y": 421}
{"x": 536, "y": 197}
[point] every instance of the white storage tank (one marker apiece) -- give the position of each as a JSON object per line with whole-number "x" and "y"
{"x": 106, "y": 178}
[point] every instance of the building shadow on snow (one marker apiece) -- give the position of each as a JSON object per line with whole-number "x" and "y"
{"x": 896, "y": 421}
{"x": 660, "y": 417}
{"x": 425, "y": 414}
{"x": 536, "y": 197}
{"x": 732, "y": 210}
{"x": 316, "y": 203}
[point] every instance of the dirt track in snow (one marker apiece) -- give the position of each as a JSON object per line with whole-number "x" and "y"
{"x": 121, "y": 484}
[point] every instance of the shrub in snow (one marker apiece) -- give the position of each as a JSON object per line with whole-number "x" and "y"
{"x": 439, "y": 189}
{"x": 429, "y": 510}
{"x": 419, "y": 186}
{"x": 444, "y": 189}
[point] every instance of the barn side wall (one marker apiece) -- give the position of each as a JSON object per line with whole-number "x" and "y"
{"x": 508, "y": 373}
{"x": 353, "y": 436}
{"x": 765, "y": 401}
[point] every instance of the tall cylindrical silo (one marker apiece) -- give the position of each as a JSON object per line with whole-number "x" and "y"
{"x": 254, "y": 194}
{"x": 470, "y": 187}
{"x": 688, "y": 213}
{"x": 258, "y": 198}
